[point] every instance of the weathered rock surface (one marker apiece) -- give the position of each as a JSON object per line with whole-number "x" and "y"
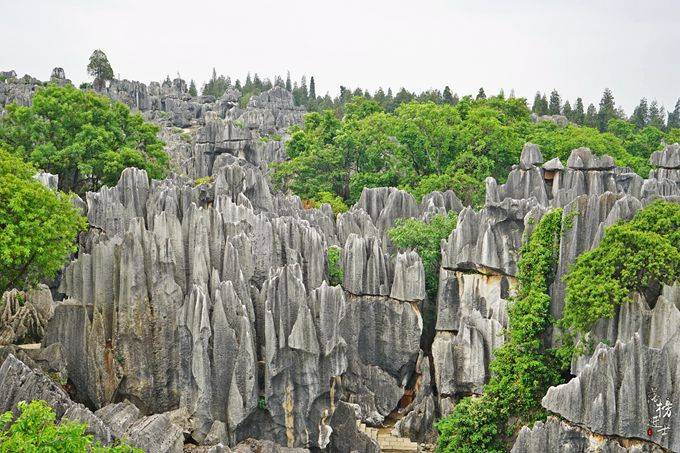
{"x": 628, "y": 390}
{"x": 558, "y": 435}
{"x": 346, "y": 436}
{"x": 484, "y": 248}
{"x": 24, "y": 315}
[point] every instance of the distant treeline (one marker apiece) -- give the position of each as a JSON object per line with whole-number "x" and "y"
{"x": 304, "y": 93}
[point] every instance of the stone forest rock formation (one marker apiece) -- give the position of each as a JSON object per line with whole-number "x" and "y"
{"x": 202, "y": 314}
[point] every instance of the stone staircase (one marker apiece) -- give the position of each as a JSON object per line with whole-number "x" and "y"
{"x": 388, "y": 443}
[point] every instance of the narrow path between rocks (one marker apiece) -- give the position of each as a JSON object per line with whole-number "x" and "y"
{"x": 388, "y": 442}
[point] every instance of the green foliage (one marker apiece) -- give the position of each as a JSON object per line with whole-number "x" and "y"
{"x": 336, "y": 203}
{"x": 556, "y": 141}
{"x": 471, "y": 428}
{"x": 37, "y": 226}
{"x": 334, "y": 269}
{"x": 425, "y": 146}
{"x": 35, "y": 431}
{"x": 631, "y": 257}
{"x": 99, "y": 67}
{"x": 522, "y": 369}
{"x": 86, "y": 139}
{"x": 203, "y": 180}
{"x": 425, "y": 238}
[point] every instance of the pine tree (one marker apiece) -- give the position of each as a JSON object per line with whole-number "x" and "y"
{"x": 512, "y": 94}
{"x": 192, "y": 88}
{"x": 566, "y": 110}
{"x": 544, "y": 105}
{"x": 380, "y": 97}
{"x": 249, "y": 83}
{"x": 228, "y": 82}
{"x": 590, "y": 119}
{"x": 607, "y": 110}
{"x": 257, "y": 83}
{"x": 303, "y": 88}
{"x": 579, "y": 112}
{"x": 312, "y": 88}
{"x": 289, "y": 86}
{"x": 278, "y": 81}
{"x": 237, "y": 85}
{"x": 640, "y": 115}
{"x": 389, "y": 102}
{"x": 481, "y": 94}
{"x": 674, "y": 117}
{"x": 554, "y": 105}
{"x": 501, "y": 94}
{"x": 456, "y": 99}
{"x": 448, "y": 97}
{"x": 656, "y": 115}
{"x": 536, "y": 107}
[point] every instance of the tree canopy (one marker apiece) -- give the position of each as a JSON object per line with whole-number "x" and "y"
{"x": 37, "y": 226}
{"x": 635, "y": 256}
{"x": 99, "y": 68}
{"x": 85, "y": 138}
{"x": 424, "y": 146}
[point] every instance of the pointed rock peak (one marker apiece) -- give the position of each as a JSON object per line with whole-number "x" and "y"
{"x": 531, "y": 156}
{"x": 303, "y": 335}
{"x": 669, "y": 157}
{"x": 554, "y": 164}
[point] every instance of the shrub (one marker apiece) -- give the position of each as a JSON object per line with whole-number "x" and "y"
{"x": 425, "y": 238}
{"x": 335, "y": 272}
{"x": 336, "y": 203}
{"x": 203, "y": 180}
{"x": 631, "y": 257}
{"x": 35, "y": 430}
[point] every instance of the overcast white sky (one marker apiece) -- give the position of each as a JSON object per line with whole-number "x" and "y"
{"x": 578, "y": 47}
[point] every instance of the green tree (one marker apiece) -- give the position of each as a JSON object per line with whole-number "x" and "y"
{"x": 579, "y": 112}
{"x": 86, "y": 139}
{"x": 656, "y": 116}
{"x": 537, "y": 106}
{"x": 192, "y": 88}
{"x": 674, "y": 117}
{"x": 99, "y": 68}
{"x": 567, "y": 111}
{"x": 312, "y": 88}
{"x": 635, "y": 256}
{"x": 37, "y": 226}
{"x": 289, "y": 85}
{"x": 35, "y": 430}
{"x": 448, "y": 97}
{"x": 607, "y": 110}
{"x": 554, "y": 107}
{"x": 481, "y": 94}
{"x": 591, "y": 117}
{"x": 640, "y": 117}
{"x": 425, "y": 238}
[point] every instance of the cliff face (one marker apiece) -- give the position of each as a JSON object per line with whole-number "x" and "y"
{"x": 204, "y": 310}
